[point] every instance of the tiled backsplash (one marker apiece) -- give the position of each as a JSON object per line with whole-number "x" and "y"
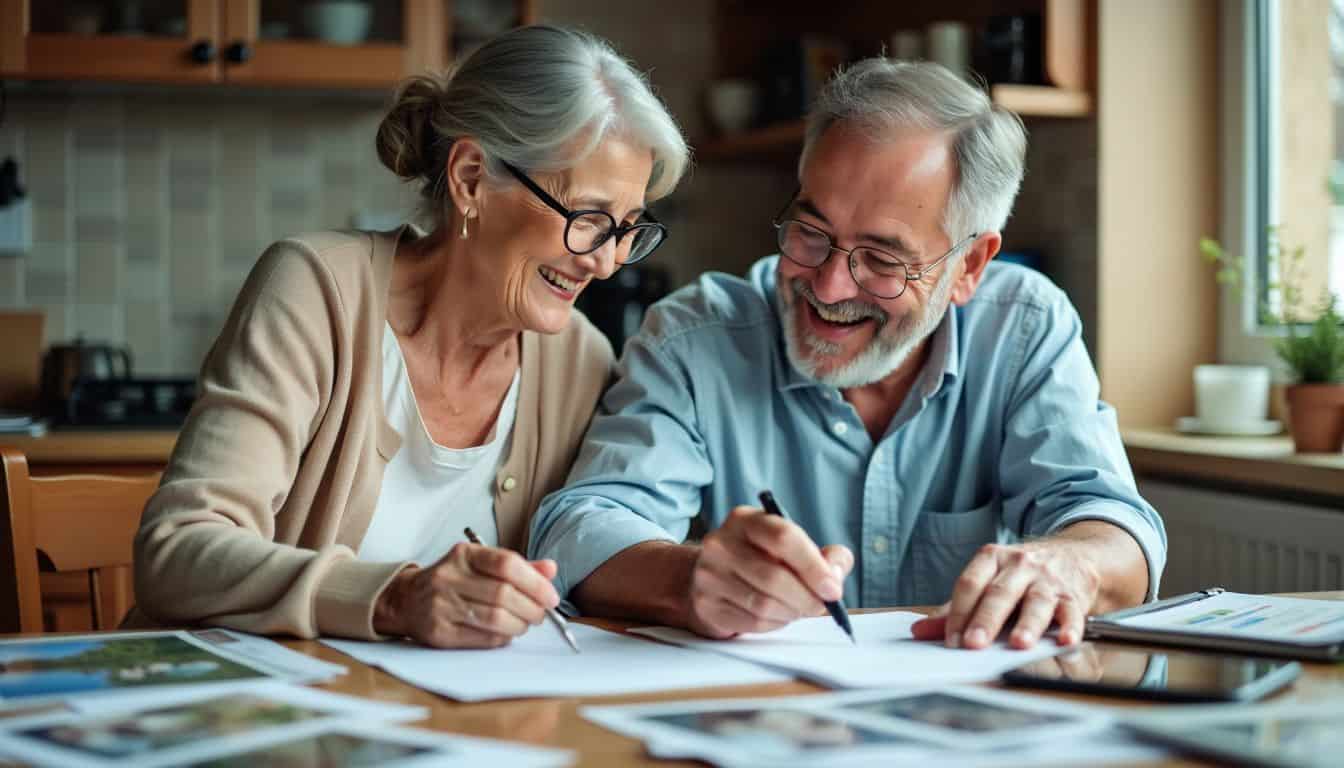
{"x": 150, "y": 206}
{"x": 148, "y": 211}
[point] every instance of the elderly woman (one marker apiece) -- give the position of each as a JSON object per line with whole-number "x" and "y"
{"x": 373, "y": 394}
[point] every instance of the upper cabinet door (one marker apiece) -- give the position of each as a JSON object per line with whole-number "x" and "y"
{"x": 332, "y": 43}
{"x": 168, "y": 41}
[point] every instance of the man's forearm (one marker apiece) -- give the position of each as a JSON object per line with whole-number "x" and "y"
{"x": 650, "y": 581}
{"x": 1121, "y": 567}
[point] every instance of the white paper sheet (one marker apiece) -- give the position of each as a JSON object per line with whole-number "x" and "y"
{"x": 886, "y": 654}
{"x": 540, "y": 664}
{"x": 169, "y": 727}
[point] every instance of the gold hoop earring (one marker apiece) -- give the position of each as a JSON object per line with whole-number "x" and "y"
{"x": 465, "y": 214}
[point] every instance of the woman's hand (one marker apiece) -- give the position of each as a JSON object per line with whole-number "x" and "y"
{"x": 475, "y": 597}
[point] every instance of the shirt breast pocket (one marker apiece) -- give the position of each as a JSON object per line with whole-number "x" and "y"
{"x": 944, "y": 542}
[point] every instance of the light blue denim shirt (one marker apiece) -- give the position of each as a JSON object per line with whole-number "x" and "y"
{"x": 1001, "y": 438}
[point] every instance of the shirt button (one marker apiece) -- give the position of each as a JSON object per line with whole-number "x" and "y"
{"x": 879, "y": 544}
{"x": 839, "y": 428}
{"x": 509, "y": 484}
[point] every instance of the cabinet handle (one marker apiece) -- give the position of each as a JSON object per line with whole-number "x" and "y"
{"x": 238, "y": 53}
{"x": 203, "y": 52}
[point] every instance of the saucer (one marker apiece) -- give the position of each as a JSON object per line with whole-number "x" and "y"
{"x": 1191, "y": 425}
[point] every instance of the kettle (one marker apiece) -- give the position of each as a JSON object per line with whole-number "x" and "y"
{"x": 64, "y": 363}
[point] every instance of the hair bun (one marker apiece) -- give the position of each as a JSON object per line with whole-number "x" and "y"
{"x": 406, "y": 137}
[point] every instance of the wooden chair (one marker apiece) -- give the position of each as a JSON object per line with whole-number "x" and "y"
{"x": 68, "y": 524}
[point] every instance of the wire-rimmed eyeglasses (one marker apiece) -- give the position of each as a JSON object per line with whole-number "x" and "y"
{"x": 590, "y": 229}
{"x": 874, "y": 270}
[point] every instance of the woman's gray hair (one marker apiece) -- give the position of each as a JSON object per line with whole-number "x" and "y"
{"x": 879, "y": 95}
{"x": 528, "y": 96}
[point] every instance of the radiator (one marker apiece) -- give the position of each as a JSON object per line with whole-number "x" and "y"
{"x": 1244, "y": 543}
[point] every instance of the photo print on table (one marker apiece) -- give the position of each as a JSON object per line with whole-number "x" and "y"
{"x": 144, "y": 734}
{"x": 329, "y": 750}
{"x": 48, "y": 668}
{"x": 958, "y": 713}
{"x": 777, "y": 730}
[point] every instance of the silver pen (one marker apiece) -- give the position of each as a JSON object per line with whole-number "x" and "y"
{"x": 556, "y": 619}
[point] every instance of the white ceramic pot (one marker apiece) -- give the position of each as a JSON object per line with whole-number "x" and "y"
{"x": 343, "y": 22}
{"x": 1229, "y": 396}
{"x": 733, "y": 104}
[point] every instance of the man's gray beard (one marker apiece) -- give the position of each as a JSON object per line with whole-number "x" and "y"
{"x": 891, "y": 344}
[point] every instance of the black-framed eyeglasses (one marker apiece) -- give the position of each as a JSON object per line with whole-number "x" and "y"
{"x": 874, "y": 270}
{"x": 588, "y": 230}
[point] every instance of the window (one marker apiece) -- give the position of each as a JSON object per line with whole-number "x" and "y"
{"x": 1283, "y": 144}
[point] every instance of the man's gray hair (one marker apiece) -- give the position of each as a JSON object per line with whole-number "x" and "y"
{"x": 528, "y": 96}
{"x": 878, "y": 96}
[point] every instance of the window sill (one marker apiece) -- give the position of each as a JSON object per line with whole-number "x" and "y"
{"x": 1259, "y": 465}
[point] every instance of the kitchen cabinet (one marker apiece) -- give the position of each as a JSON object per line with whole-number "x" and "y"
{"x": 745, "y": 28}
{"x": 67, "y": 39}
{"x": 286, "y": 43}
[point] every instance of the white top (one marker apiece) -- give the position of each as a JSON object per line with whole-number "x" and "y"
{"x": 430, "y": 493}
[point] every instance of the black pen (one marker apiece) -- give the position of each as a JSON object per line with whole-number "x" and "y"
{"x": 551, "y": 613}
{"x": 834, "y": 607}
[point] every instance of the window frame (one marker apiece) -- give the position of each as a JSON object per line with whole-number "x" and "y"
{"x": 1250, "y": 174}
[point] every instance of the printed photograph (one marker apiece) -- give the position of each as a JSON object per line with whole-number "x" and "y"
{"x": 1294, "y": 741}
{"x": 777, "y": 730}
{"x": 328, "y": 750}
{"x": 955, "y": 713}
{"x": 80, "y": 665}
{"x": 143, "y": 734}
{"x": 214, "y": 636}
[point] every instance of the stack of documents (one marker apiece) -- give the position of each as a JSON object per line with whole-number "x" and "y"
{"x": 540, "y": 664}
{"x": 886, "y": 654}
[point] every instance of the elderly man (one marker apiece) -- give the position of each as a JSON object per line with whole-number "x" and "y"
{"x": 930, "y": 417}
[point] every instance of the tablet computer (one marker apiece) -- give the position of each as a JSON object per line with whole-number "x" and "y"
{"x": 1187, "y": 676}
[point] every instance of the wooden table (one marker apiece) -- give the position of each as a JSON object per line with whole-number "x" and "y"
{"x": 556, "y": 722}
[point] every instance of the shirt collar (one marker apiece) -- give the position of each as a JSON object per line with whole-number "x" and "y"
{"x": 942, "y": 367}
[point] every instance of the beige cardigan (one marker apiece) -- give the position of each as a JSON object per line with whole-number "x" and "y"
{"x": 274, "y": 479}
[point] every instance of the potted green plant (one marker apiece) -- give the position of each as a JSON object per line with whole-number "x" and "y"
{"x": 1316, "y": 399}
{"x": 1311, "y": 347}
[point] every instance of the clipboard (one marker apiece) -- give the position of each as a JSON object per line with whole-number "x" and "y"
{"x": 1265, "y": 625}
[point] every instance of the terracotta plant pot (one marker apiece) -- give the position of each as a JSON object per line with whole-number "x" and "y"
{"x": 1316, "y": 412}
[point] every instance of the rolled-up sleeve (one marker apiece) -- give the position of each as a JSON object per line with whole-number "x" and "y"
{"x": 1063, "y": 461}
{"x": 641, "y": 470}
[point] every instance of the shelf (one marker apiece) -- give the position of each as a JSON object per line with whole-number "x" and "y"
{"x": 777, "y": 139}
{"x": 785, "y": 139}
{"x": 1042, "y": 100}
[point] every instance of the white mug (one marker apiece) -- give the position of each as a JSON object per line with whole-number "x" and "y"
{"x": 733, "y": 104}
{"x": 949, "y": 44}
{"x": 907, "y": 45}
{"x": 1231, "y": 395}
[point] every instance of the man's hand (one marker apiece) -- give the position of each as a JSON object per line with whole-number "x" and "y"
{"x": 1040, "y": 581}
{"x": 758, "y": 572}
{"x": 474, "y": 597}
{"x": 1089, "y": 567}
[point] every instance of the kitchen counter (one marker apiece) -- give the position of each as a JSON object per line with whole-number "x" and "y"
{"x": 1265, "y": 465}
{"x": 96, "y": 448}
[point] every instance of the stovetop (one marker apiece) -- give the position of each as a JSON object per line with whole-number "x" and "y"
{"x": 136, "y": 403}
